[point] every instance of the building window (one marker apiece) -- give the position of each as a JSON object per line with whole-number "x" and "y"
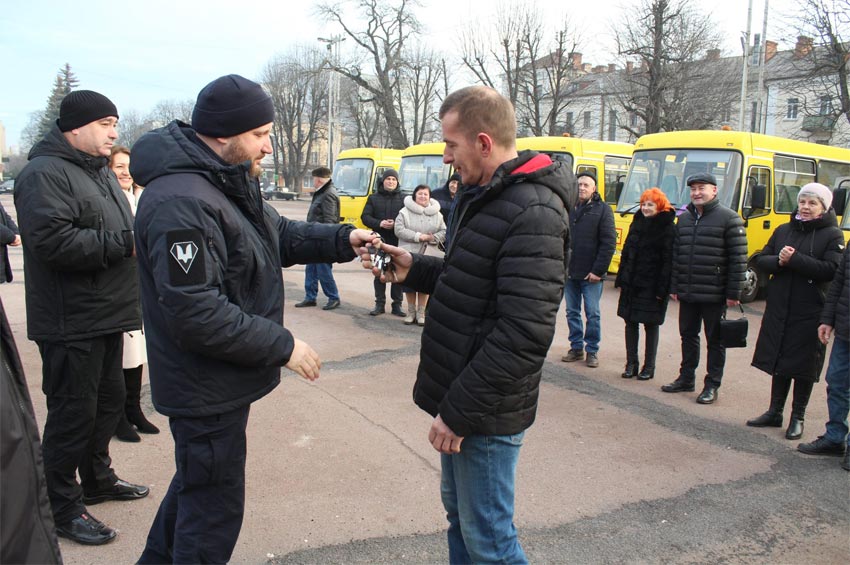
{"x": 633, "y": 120}
{"x": 825, "y": 106}
{"x": 754, "y": 117}
{"x": 793, "y": 108}
{"x": 612, "y": 125}
{"x": 569, "y": 125}
{"x": 587, "y": 119}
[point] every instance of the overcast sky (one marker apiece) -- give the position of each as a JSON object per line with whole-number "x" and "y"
{"x": 138, "y": 53}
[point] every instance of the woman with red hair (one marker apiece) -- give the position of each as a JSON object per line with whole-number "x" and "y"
{"x": 644, "y": 279}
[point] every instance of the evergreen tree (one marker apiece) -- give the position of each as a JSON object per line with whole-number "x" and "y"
{"x": 64, "y": 83}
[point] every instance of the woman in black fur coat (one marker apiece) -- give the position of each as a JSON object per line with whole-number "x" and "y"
{"x": 644, "y": 279}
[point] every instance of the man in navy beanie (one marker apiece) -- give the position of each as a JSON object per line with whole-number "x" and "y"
{"x": 210, "y": 256}
{"x": 82, "y": 293}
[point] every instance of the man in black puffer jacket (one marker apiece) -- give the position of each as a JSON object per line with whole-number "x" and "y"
{"x": 210, "y": 257}
{"x": 491, "y": 317}
{"x": 82, "y": 293}
{"x": 379, "y": 214}
{"x": 709, "y": 269}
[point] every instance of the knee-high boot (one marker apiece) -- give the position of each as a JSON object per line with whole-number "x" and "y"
{"x": 779, "y": 388}
{"x": 650, "y": 352}
{"x": 802, "y": 394}
{"x": 132, "y": 407}
{"x": 632, "y": 337}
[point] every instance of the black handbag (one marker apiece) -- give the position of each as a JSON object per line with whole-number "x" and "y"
{"x": 733, "y": 333}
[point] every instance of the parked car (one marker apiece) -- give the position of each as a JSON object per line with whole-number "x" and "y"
{"x": 271, "y": 192}
{"x": 7, "y": 186}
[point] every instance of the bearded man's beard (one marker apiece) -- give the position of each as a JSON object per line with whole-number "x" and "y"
{"x": 236, "y": 153}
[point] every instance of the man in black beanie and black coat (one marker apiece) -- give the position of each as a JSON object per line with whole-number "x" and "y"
{"x": 210, "y": 256}
{"x": 82, "y": 293}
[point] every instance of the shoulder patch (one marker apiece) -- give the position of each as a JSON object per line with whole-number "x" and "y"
{"x": 186, "y": 265}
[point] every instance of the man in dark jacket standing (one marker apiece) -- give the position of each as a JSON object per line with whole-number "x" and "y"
{"x": 210, "y": 256}
{"x": 593, "y": 238}
{"x": 709, "y": 269}
{"x": 324, "y": 209}
{"x": 379, "y": 214}
{"x": 835, "y": 317}
{"x": 491, "y": 317}
{"x": 82, "y": 293}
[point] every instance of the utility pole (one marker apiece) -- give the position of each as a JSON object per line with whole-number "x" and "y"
{"x": 761, "y": 123}
{"x": 745, "y": 43}
{"x": 333, "y": 89}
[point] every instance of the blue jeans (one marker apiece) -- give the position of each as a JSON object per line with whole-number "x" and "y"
{"x": 837, "y": 392}
{"x": 591, "y": 293}
{"x": 477, "y": 488}
{"x": 316, "y": 273}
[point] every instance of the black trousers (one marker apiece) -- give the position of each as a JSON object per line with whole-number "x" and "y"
{"x": 200, "y": 516}
{"x": 381, "y": 293}
{"x": 84, "y": 386}
{"x": 691, "y": 316}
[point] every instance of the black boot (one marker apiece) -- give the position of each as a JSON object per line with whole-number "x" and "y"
{"x": 779, "y": 388}
{"x": 378, "y": 309}
{"x": 631, "y": 351}
{"x": 125, "y": 431}
{"x": 132, "y": 407}
{"x": 802, "y": 393}
{"x": 649, "y": 353}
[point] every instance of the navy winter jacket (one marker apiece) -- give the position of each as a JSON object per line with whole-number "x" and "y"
{"x": 592, "y": 238}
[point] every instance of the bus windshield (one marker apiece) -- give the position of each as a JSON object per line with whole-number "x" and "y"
{"x": 668, "y": 169}
{"x": 422, "y": 169}
{"x": 351, "y": 176}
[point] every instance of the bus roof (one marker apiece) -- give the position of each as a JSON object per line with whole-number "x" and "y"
{"x": 376, "y": 153}
{"x": 574, "y": 145}
{"x": 435, "y": 148}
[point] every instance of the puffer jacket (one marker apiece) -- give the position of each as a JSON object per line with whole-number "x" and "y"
{"x": 788, "y": 343}
{"x": 836, "y": 309}
{"x": 495, "y": 298}
{"x": 383, "y": 205}
{"x": 324, "y": 207}
{"x": 593, "y": 238}
{"x": 710, "y": 255}
{"x": 76, "y": 228}
{"x": 414, "y": 220}
{"x": 210, "y": 257}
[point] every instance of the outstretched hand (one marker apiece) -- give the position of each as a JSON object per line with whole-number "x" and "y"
{"x": 401, "y": 261}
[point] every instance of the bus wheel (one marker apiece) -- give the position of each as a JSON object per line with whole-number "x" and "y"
{"x": 751, "y": 284}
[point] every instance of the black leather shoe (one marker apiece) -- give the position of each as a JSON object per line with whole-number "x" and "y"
{"x": 822, "y": 446}
{"x": 331, "y": 305}
{"x": 631, "y": 371}
{"x": 708, "y": 395}
{"x": 305, "y": 303}
{"x": 767, "y": 420}
{"x": 121, "y": 490}
{"x": 646, "y": 373}
{"x": 377, "y": 310}
{"x": 845, "y": 463}
{"x": 87, "y": 530}
{"x": 397, "y": 311}
{"x": 795, "y": 428}
{"x": 678, "y": 386}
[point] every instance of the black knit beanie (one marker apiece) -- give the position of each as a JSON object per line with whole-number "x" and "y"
{"x": 231, "y": 105}
{"x": 389, "y": 173}
{"x": 81, "y": 107}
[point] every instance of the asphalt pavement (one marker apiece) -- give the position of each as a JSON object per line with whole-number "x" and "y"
{"x": 613, "y": 470}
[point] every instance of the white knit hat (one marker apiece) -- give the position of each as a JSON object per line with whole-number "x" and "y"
{"x": 817, "y": 189}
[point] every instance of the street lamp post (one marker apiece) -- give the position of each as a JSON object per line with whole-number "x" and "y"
{"x": 333, "y": 87}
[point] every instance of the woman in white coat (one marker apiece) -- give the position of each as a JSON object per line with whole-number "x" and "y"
{"x": 420, "y": 228}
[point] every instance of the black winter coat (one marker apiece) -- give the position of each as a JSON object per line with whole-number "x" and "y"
{"x": 495, "y": 298}
{"x": 324, "y": 207}
{"x": 645, "y": 268}
{"x": 383, "y": 205}
{"x": 593, "y": 238}
{"x": 710, "y": 255}
{"x": 788, "y": 344}
{"x": 210, "y": 256}
{"x": 836, "y": 309}
{"x": 444, "y": 196}
{"x": 8, "y": 231}
{"x": 76, "y": 227}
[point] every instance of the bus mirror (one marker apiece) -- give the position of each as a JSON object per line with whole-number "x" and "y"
{"x": 758, "y": 200}
{"x": 839, "y": 201}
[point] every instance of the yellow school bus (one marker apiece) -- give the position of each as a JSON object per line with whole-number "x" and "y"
{"x": 607, "y": 160}
{"x": 758, "y": 176}
{"x": 423, "y": 164}
{"x": 356, "y": 175}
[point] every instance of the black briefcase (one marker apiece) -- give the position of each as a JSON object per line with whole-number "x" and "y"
{"x": 734, "y": 332}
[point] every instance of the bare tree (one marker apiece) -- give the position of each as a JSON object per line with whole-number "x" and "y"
{"x": 166, "y": 111}
{"x": 388, "y": 25}
{"x": 132, "y": 126}
{"x": 298, "y": 84}
{"x": 362, "y": 115}
{"x": 671, "y": 89}
{"x": 416, "y": 96}
{"x": 824, "y": 64}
